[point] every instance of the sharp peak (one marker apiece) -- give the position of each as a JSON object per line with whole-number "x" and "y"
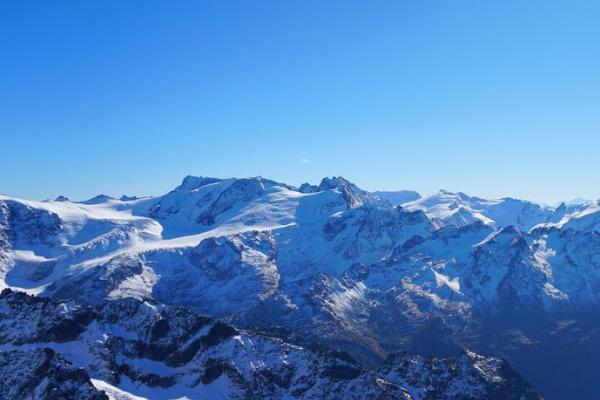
{"x": 335, "y": 181}
{"x": 327, "y": 183}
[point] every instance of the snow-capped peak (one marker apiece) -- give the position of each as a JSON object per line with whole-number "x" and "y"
{"x": 101, "y": 198}
{"x": 194, "y": 182}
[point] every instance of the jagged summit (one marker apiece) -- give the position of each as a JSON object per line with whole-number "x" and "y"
{"x": 335, "y": 182}
{"x": 352, "y": 194}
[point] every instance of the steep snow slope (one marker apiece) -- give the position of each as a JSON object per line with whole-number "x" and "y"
{"x": 45, "y": 240}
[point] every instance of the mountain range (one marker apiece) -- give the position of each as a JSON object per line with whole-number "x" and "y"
{"x": 266, "y": 290}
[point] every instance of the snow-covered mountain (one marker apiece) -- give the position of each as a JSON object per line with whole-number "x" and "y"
{"x": 330, "y": 262}
{"x": 131, "y": 349}
{"x": 461, "y": 209}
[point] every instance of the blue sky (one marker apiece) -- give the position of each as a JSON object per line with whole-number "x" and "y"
{"x": 496, "y": 98}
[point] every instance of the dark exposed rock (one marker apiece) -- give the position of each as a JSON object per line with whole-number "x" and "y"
{"x": 218, "y": 332}
{"x": 341, "y": 372}
{"x": 28, "y": 319}
{"x": 31, "y": 225}
{"x": 468, "y": 376}
{"x": 43, "y": 374}
{"x": 199, "y": 350}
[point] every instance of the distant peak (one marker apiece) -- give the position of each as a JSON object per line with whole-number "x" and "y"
{"x": 191, "y": 182}
{"x": 352, "y": 194}
{"x": 577, "y": 202}
{"x": 308, "y": 188}
{"x": 459, "y": 195}
{"x": 327, "y": 183}
{"x": 101, "y": 198}
{"x": 334, "y": 182}
{"x": 62, "y": 198}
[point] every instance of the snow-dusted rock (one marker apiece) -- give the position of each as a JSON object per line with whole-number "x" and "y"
{"x": 134, "y": 348}
{"x": 468, "y": 376}
{"x": 43, "y": 374}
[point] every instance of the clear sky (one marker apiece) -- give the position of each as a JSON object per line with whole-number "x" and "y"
{"x": 493, "y": 98}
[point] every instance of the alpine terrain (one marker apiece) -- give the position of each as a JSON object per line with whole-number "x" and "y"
{"x": 247, "y": 288}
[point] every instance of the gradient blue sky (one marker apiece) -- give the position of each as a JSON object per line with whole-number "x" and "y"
{"x": 494, "y": 98}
